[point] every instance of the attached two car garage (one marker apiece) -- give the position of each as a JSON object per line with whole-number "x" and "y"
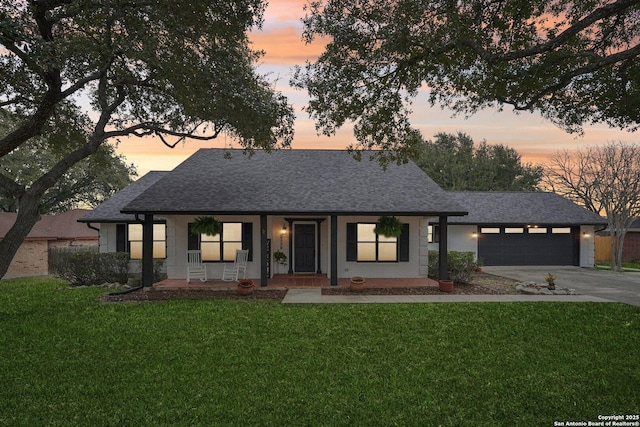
{"x": 524, "y": 228}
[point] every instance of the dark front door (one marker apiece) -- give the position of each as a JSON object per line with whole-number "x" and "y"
{"x": 304, "y": 246}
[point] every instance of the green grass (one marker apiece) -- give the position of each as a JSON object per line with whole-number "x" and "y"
{"x": 67, "y": 359}
{"x": 607, "y": 264}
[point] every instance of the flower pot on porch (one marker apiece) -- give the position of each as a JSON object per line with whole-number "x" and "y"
{"x": 357, "y": 284}
{"x": 445, "y": 285}
{"x": 245, "y": 287}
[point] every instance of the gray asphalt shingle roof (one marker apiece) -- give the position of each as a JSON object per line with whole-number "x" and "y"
{"x": 488, "y": 207}
{"x": 109, "y": 210}
{"x": 292, "y": 182}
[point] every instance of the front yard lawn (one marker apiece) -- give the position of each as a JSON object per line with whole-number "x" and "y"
{"x": 68, "y": 359}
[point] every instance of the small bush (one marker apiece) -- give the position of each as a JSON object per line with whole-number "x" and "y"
{"x": 89, "y": 267}
{"x": 461, "y": 265}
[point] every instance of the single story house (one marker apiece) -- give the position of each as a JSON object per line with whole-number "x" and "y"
{"x": 523, "y": 228}
{"x": 317, "y": 206}
{"x": 52, "y": 231}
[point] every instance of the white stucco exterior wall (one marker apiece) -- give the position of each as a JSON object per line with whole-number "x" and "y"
{"x": 587, "y": 246}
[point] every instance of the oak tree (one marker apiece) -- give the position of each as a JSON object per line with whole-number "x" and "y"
{"x": 606, "y": 180}
{"x": 573, "y": 61}
{"x": 456, "y": 163}
{"x": 102, "y": 70}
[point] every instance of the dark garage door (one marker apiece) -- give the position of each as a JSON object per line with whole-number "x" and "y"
{"x": 501, "y": 245}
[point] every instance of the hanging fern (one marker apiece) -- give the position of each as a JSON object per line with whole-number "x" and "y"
{"x": 388, "y": 226}
{"x": 206, "y": 225}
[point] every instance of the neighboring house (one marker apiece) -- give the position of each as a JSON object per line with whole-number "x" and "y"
{"x": 52, "y": 231}
{"x": 318, "y": 206}
{"x": 524, "y": 228}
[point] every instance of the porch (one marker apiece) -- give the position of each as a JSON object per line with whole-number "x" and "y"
{"x": 289, "y": 281}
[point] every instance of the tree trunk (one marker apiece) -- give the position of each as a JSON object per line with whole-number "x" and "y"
{"x": 28, "y": 215}
{"x": 617, "y": 243}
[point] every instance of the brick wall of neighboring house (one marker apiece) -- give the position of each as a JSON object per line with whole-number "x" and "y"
{"x": 30, "y": 260}
{"x": 631, "y": 248}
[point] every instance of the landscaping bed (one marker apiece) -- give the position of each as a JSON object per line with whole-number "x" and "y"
{"x": 482, "y": 284}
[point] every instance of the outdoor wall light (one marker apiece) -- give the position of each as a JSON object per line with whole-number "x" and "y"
{"x": 474, "y": 235}
{"x": 284, "y": 230}
{"x": 586, "y": 235}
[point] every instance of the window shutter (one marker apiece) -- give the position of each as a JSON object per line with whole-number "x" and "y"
{"x": 352, "y": 241}
{"x": 121, "y": 237}
{"x": 193, "y": 240}
{"x": 403, "y": 244}
{"x": 247, "y": 238}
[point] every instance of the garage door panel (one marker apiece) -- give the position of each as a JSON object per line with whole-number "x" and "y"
{"x": 528, "y": 249}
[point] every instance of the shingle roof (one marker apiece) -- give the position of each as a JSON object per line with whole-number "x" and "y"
{"x": 488, "y": 207}
{"x": 109, "y": 210}
{"x": 292, "y": 182}
{"x": 51, "y": 227}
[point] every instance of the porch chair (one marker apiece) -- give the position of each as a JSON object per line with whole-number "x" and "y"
{"x": 232, "y": 270}
{"x": 195, "y": 268}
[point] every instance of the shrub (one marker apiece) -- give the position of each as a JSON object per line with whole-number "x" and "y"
{"x": 89, "y": 267}
{"x": 461, "y": 265}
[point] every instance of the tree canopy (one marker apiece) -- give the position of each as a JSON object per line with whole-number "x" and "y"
{"x": 606, "y": 180}
{"x": 575, "y": 62}
{"x": 100, "y": 70}
{"x": 455, "y": 163}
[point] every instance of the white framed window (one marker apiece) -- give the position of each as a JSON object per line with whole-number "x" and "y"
{"x": 375, "y": 247}
{"x": 223, "y": 246}
{"x": 134, "y": 236}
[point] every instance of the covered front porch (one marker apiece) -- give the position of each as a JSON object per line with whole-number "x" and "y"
{"x": 289, "y": 281}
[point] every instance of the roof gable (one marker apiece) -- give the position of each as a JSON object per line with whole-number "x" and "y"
{"x": 109, "y": 210}
{"x": 290, "y": 182}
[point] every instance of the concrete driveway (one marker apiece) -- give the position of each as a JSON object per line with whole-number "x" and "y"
{"x": 620, "y": 287}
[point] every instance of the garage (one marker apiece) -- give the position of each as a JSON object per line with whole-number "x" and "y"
{"x": 525, "y": 245}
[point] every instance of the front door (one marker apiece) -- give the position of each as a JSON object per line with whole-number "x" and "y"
{"x": 304, "y": 246}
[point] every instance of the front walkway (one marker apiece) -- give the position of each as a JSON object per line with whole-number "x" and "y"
{"x": 314, "y": 296}
{"x": 293, "y": 281}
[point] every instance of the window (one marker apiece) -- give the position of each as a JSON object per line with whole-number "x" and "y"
{"x": 490, "y": 230}
{"x": 223, "y": 246}
{"x": 537, "y": 230}
{"x": 561, "y": 230}
{"x": 514, "y": 230}
{"x": 134, "y": 239}
{"x": 433, "y": 234}
{"x": 363, "y": 245}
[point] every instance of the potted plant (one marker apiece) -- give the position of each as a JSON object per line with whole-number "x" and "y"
{"x": 357, "y": 284}
{"x": 280, "y": 258}
{"x": 245, "y": 287}
{"x": 388, "y": 226}
{"x": 445, "y": 285}
{"x": 206, "y": 225}
{"x": 550, "y": 279}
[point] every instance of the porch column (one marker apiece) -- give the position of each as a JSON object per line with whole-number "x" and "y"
{"x": 334, "y": 250}
{"x": 263, "y": 250}
{"x": 290, "y": 221}
{"x": 147, "y": 251}
{"x": 318, "y": 236}
{"x": 443, "y": 270}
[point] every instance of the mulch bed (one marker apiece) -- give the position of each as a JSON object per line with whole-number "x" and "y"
{"x": 481, "y": 284}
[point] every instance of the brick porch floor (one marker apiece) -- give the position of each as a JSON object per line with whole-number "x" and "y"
{"x": 288, "y": 281}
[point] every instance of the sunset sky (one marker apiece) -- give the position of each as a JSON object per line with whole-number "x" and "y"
{"x": 532, "y": 136}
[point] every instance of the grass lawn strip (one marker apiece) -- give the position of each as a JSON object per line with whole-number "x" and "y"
{"x": 68, "y": 359}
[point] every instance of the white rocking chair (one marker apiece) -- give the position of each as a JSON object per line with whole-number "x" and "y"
{"x": 232, "y": 270}
{"x": 195, "y": 268}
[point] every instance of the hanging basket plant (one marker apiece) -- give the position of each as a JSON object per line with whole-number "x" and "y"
{"x": 388, "y": 226}
{"x": 206, "y": 225}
